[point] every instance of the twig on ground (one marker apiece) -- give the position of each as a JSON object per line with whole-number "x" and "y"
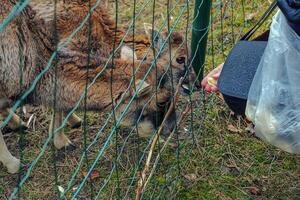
{"x": 145, "y": 171}
{"x": 183, "y": 115}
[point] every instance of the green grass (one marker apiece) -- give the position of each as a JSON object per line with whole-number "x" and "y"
{"x": 212, "y": 163}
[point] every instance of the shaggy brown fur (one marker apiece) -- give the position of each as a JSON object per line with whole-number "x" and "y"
{"x": 31, "y": 33}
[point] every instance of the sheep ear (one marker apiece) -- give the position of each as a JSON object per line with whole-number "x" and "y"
{"x": 148, "y": 30}
{"x": 145, "y": 88}
{"x": 157, "y": 37}
{"x": 127, "y": 53}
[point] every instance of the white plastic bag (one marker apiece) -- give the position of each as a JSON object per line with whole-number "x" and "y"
{"x": 274, "y": 97}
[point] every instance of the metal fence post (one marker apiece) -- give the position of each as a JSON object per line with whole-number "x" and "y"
{"x": 200, "y": 34}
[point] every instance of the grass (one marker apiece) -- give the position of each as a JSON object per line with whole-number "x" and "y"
{"x": 211, "y": 162}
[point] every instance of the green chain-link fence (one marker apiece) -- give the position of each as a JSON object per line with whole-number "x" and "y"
{"x": 111, "y": 162}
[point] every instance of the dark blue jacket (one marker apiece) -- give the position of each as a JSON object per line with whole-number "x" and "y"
{"x": 291, "y": 10}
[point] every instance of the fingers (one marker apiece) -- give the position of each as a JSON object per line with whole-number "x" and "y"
{"x": 214, "y": 89}
{"x": 204, "y": 82}
{"x": 211, "y": 89}
{"x": 208, "y": 86}
{"x": 211, "y": 85}
{"x": 216, "y": 76}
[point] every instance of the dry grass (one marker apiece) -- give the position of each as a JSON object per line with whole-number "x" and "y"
{"x": 211, "y": 163}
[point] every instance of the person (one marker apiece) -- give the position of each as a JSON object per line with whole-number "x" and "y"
{"x": 291, "y": 10}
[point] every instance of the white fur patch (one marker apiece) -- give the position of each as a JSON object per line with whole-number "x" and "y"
{"x": 9, "y": 161}
{"x": 127, "y": 53}
{"x": 145, "y": 129}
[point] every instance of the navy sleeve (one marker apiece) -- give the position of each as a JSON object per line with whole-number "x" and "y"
{"x": 291, "y": 10}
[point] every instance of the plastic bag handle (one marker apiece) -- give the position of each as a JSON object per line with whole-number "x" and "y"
{"x": 271, "y": 8}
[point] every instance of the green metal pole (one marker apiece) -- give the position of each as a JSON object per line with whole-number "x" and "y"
{"x": 200, "y": 34}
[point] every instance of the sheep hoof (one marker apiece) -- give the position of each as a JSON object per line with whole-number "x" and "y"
{"x": 75, "y": 121}
{"x": 76, "y": 124}
{"x": 17, "y": 126}
{"x": 71, "y": 147}
{"x": 62, "y": 142}
{"x": 14, "y": 166}
{"x": 61, "y": 154}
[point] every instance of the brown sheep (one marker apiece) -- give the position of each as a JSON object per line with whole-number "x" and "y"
{"x": 31, "y": 33}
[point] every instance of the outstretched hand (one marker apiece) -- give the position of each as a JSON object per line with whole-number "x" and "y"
{"x": 210, "y": 81}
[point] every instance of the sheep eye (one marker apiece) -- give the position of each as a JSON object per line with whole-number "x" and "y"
{"x": 180, "y": 60}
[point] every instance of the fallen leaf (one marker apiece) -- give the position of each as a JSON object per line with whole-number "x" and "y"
{"x": 233, "y": 129}
{"x": 190, "y": 177}
{"x": 61, "y": 189}
{"x": 250, "y": 129}
{"x": 231, "y": 167}
{"x": 254, "y": 190}
{"x": 250, "y": 16}
{"x": 24, "y": 110}
{"x": 231, "y": 170}
{"x": 30, "y": 120}
{"x": 95, "y": 174}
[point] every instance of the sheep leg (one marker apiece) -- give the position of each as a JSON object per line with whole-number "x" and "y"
{"x": 9, "y": 161}
{"x": 15, "y": 123}
{"x": 60, "y": 139}
{"x": 74, "y": 121}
